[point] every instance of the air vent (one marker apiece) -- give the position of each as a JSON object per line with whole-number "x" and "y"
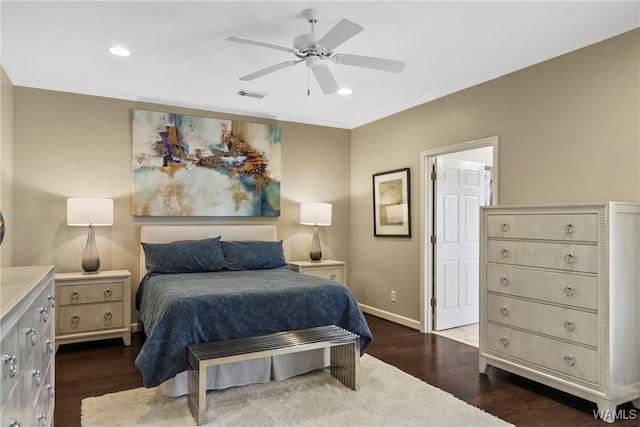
{"x": 258, "y": 95}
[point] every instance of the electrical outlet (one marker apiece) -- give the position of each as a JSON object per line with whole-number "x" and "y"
{"x": 393, "y": 296}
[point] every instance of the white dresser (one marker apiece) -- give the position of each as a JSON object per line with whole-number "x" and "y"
{"x": 560, "y": 298}
{"x": 27, "y": 346}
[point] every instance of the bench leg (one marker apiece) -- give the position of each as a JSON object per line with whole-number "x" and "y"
{"x": 197, "y": 399}
{"x": 345, "y": 364}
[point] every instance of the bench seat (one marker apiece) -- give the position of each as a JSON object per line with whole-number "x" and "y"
{"x": 344, "y": 361}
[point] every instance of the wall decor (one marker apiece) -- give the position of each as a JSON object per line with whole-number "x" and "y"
{"x": 391, "y": 204}
{"x": 199, "y": 166}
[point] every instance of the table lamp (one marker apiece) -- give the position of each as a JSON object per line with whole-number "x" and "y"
{"x": 316, "y": 214}
{"x": 90, "y": 212}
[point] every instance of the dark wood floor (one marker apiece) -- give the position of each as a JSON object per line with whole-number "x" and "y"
{"x": 93, "y": 369}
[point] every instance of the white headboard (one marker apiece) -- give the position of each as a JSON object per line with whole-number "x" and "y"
{"x": 171, "y": 233}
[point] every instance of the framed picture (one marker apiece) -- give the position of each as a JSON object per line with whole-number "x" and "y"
{"x": 391, "y": 204}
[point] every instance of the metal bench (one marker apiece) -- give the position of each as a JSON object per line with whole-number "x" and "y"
{"x": 344, "y": 350}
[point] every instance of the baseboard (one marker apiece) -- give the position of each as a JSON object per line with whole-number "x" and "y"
{"x": 136, "y": 327}
{"x": 411, "y": 323}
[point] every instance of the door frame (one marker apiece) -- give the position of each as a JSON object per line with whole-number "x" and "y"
{"x": 427, "y": 216}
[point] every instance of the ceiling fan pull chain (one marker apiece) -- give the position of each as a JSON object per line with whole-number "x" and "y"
{"x": 308, "y": 84}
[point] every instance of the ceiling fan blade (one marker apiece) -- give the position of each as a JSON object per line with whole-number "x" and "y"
{"x": 268, "y": 70}
{"x": 339, "y": 34}
{"x": 324, "y": 77}
{"x": 369, "y": 62}
{"x": 262, "y": 44}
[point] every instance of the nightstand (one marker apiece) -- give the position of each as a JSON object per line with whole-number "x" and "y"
{"x": 93, "y": 306}
{"x": 327, "y": 269}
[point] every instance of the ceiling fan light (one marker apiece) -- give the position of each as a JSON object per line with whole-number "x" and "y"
{"x": 344, "y": 91}
{"x": 119, "y": 51}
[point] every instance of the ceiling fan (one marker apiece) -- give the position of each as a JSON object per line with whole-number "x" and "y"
{"x": 312, "y": 48}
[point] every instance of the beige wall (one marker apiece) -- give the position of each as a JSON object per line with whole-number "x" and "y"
{"x": 568, "y": 129}
{"x": 76, "y": 145}
{"x": 6, "y": 165}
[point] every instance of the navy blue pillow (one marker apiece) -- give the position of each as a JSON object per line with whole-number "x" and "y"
{"x": 253, "y": 255}
{"x": 184, "y": 256}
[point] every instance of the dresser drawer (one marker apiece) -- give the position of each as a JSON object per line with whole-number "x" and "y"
{"x": 15, "y": 409}
{"x": 572, "y": 325}
{"x": 43, "y": 411}
{"x": 562, "y": 288}
{"x": 89, "y": 316}
{"x": 89, "y": 293}
{"x": 569, "y": 359}
{"x": 558, "y": 256}
{"x": 573, "y": 227}
{"x": 32, "y": 325}
{"x": 9, "y": 361}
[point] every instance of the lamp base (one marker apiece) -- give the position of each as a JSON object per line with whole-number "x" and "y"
{"x": 91, "y": 260}
{"x": 316, "y": 251}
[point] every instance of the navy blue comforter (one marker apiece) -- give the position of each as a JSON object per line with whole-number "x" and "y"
{"x": 181, "y": 309}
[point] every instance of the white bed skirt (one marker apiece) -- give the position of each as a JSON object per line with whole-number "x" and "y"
{"x": 255, "y": 371}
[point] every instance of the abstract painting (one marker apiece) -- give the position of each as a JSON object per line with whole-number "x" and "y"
{"x": 391, "y": 204}
{"x": 199, "y": 166}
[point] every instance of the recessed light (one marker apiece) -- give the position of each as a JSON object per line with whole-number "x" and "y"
{"x": 119, "y": 51}
{"x": 345, "y": 91}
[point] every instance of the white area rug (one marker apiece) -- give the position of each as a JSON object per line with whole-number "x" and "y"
{"x": 387, "y": 397}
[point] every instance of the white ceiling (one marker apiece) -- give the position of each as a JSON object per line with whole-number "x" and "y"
{"x": 180, "y": 55}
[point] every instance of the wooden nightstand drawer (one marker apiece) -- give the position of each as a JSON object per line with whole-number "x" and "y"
{"x": 89, "y": 293}
{"x": 326, "y": 273}
{"x": 331, "y": 270}
{"x": 88, "y": 317}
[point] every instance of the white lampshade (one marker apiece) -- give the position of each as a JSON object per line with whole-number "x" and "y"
{"x": 315, "y": 213}
{"x": 85, "y": 211}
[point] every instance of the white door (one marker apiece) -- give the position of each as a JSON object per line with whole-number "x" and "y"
{"x": 459, "y": 193}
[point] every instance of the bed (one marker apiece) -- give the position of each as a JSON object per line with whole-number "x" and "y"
{"x": 215, "y": 282}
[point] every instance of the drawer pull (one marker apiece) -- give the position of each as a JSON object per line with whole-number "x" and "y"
{"x": 569, "y": 290}
{"x": 333, "y": 276}
{"x": 504, "y": 281}
{"x": 37, "y": 377}
{"x": 75, "y": 296}
{"x": 32, "y": 332}
{"x": 44, "y": 312}
{"x": 570, "y": 258}
{"x": 504, "y": 311}
{"x": 14, "y": 423}
{"x": 10, "y": 359}
{"x": 569, "y": 326}
{"x": 107, "y": 293}
{"x": 504, "y": 253}
{"x": 52, "y": 391}
{"x": 108, "y": 316}
{"x": 50, "y": 346}
{"x": 569, "y": 360}
{"x": 569, "y": 228}
{"x": 75, "y": 319}
{"x": 52, "y": 300}
{"x": 504, "y": 341}
{"x": 504, "y": 227}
